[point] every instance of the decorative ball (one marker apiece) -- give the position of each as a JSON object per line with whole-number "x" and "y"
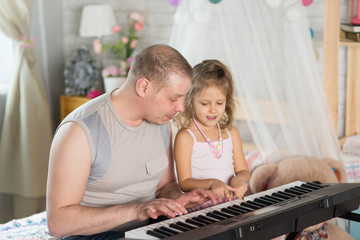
{"x": 173, "y": 2}
{"x": 214, "y": 1}
{"x": 311, "y": 33}
{"x": 306, "y": 2}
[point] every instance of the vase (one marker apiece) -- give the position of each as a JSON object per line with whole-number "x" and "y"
{"x": 110, "y": 83}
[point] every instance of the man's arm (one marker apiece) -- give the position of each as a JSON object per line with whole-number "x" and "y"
{"x": 69, "y": 168}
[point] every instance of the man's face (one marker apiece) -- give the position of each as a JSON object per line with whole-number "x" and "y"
{"x": 164, "y": 104}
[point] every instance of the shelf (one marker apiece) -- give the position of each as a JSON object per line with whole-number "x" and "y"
{"x": 333, "y": 38}
{"x": 343, "y": 41}
{"x": 68, "y": 104}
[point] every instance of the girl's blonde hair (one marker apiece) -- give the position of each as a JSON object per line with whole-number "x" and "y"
{"x": 209, "y": 73}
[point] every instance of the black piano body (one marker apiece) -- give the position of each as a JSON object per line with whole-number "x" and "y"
{"x": 295, "y": 212}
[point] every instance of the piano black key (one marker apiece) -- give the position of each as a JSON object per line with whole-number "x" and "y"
{"x": 293, "y": 191}
{"x": 305, "y": 190}
{"x": 207, "y": 219}
{"x": 201, "y": 220}
{"x": 309, "y": 187}
{"x": 243, "y": 208}
{"x": 182, "y": 224}
{"x": 155, "y": 234}
{"x": 291, "y": 195}
{"x": 177, "y": 227}
{"x": 169, "y": 230}
{"x": 279, "y": 195}
{"x": 249, "y": 205}
{"x": 263, "y": 201}
{"x": 227, "y": 210}
{"x": 195, "y": 223}
{"x": 259, "y": 204}
{"x": 270, "y": 198}
{"x": 163, "y": 232}
{"x": 277, "y": 199}
{"x": 237, "y": 209}
{"x": 314, "y": 185}
{"x": 222, "y": 214}
{"x": 210, "y": 214}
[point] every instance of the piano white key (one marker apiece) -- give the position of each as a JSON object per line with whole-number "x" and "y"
{"x": 272, "y": 190}
{"x": 140, "y": 233}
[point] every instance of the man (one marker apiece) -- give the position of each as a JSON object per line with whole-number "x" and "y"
{"x": 111, "y": 161}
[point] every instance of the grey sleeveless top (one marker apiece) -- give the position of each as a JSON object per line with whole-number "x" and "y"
{"x": 127, "y": 163}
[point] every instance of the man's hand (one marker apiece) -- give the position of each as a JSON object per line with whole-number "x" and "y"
{"x": 197, "y": 197}
{"x": 160, "y": 206}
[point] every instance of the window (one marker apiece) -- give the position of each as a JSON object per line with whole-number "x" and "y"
{"x": 6, "y": 61}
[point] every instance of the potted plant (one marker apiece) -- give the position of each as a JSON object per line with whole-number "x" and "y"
{"x": 115, "y": 74}
{"x": 113, "y": 77}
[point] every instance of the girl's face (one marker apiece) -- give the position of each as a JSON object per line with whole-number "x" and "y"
{"x": 209, "y": 106}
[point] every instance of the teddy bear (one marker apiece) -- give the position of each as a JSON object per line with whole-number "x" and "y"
{"x": 306, "y": 169}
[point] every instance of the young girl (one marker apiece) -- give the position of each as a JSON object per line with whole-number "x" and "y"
{"x": 208, "y": 150}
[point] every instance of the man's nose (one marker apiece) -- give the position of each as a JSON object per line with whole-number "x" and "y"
{"x": 180, "y": 107}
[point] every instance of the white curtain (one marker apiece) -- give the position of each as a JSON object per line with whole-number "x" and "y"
{"x": 27, "y": 132}
{"x": 267, "y": 45}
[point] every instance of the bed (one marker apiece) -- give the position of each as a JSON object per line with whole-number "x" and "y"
{"x": 28, "y": 228}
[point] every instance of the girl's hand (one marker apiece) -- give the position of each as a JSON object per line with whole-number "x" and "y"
{"x": 197, "y": 197}
{"x": 239, "y": 190}
{"x": 221, "y": 189}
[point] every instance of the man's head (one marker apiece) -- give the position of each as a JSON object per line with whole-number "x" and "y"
{"x": 157, "y": 63}
{"x": 162, "y": 77}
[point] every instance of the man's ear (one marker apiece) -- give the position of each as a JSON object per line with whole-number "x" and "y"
{"x": 143, "y": 86}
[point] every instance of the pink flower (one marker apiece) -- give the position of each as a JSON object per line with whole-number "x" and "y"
{"x": 137, "y": 17}
{"x": 133, "y": 44}
{"x": 122, "y": 72}
{"x": 130, "y": 59}
{"x": 116, "y": 29}
{"x": 110, "y": 71}
{"x": 105, "y": 73}
{"x": 94, "y": 93}
{"x": 125, "y": 39}
{"x": 138, "y": 26}
{"x": 97, "y": 46}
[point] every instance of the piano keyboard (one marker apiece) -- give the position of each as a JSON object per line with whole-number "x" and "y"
{"x": 258, "y": 203}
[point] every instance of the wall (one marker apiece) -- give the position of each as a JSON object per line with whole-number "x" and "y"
{"x": 157, "y": 29}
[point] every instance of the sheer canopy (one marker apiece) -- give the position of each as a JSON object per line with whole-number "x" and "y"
{"x": 267, "y": 46}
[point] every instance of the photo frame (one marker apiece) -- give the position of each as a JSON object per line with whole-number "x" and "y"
{"x": 82, "y": 74}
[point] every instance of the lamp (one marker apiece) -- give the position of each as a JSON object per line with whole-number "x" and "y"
{"x": 97, "y": 21}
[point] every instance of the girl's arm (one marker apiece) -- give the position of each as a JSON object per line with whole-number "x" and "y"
{"x": 182, "y": 151}
{"x": 242, "y": 174}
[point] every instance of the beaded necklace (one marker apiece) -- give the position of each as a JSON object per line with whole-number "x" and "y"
{"x": 215, "y": 149}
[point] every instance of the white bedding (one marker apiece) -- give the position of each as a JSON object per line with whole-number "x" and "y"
{"x": 29, "y": 228}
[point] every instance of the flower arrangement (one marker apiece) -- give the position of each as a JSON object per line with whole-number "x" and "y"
{"x": 124, "y": 47}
